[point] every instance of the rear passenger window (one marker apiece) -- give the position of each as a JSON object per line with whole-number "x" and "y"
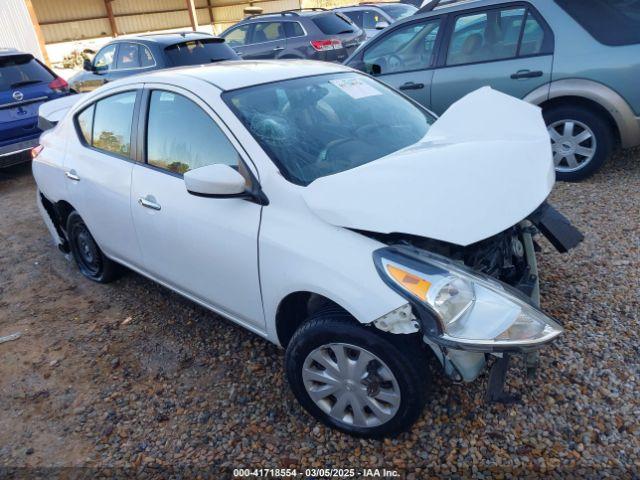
{"x": 486, "y": 36}
{"x": 182, "y": 137}
{"x": 532, "y": 37}
{"x": 85, "y": 123}
{"x": 112, "y": 123}
{"x": 128, "y": 56}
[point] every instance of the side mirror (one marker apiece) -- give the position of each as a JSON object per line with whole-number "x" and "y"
{"x": 87, "y": 65}
{"x": 381, "y": 25}
{"x": 218, "y": 180}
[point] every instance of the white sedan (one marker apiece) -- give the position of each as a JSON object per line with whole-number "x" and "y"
{"x": 321, "y": 210}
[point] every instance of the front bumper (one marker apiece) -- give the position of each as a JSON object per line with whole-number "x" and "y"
{"x": 464, "y": 362}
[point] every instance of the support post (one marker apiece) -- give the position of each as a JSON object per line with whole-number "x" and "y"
{"x": 38, "y": 30}
{"x": 112, "y": 19}
{"x": 193, "y": 16}
{"x": 210, "y": 8}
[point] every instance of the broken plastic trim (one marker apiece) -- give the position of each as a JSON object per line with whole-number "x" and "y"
{"x": 399, "y": 321}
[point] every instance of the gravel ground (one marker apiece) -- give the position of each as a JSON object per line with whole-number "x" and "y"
{"x": 132, "y": 375}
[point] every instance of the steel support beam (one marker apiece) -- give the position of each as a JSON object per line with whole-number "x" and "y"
{"x": 193, "y": 16}
{"x": 38, "y": 30}
{"x": 112, "y": 19}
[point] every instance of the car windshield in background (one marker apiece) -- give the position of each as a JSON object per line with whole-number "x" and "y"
{"x": 398, "y": 11}
{"x": 196, "y": 52}
{"x": 332, "y": 24}
{"x": 317, "y": 126}
{"x": 611, "y": 22}
{"x": 21, "y": 70}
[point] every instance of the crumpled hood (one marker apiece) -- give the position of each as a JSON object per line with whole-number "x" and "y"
{"x": 483, "y": 166}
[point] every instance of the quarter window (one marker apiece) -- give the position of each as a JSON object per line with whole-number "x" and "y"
{"x": 182, "y": 137}
{"x": 407, "y": 48}
{"x": 85, "y": 123}
{"x": 105, "y": 57}
{"x": 112, "y": 123}
{"x": 489, "y": 36}
{"x": 532, "y": 37}
{"x": 294, "y": 29}
{"x": 146, "y": 57}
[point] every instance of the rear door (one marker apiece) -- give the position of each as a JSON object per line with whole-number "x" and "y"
{"x": 403, "y": 57}
{"x": 508, "y": 48}
{"x": 268, "y": 40}
{"x": 98, "y": 168}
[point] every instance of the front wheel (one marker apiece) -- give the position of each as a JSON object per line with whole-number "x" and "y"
{"x": 581, "y": 141}
{"x": 92, "y": 263}
{"x": 356, "y": 379}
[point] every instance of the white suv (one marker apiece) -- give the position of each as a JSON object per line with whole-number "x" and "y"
{"x": 323, "y": 211}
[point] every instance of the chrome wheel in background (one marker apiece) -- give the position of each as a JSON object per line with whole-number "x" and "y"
{"x": 351, "y": 384}
{"x": 573, "y": 143}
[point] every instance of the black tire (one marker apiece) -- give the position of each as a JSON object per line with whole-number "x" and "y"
{"x": 602, "y": 131}
{"x": 91, "y": 262}
{"x": 402, "y": 354}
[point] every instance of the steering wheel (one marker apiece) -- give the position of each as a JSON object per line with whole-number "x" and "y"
{"x": 394, "y": 62}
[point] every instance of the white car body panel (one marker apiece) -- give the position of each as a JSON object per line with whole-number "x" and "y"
{"x": 55, "y": 110}
{"x": 500, "y": 143}
{"x": 241, "y": 259}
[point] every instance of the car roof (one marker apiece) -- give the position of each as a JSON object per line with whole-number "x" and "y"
{"x": 166, "y": 39}
{"x": 10, "y": 52}
{"x": 232, "y": 74}
{"x": 287, "y": 15}
{"x": 447, "y": 6}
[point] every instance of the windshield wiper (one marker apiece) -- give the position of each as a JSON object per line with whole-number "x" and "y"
{"x": 22, "y": 83}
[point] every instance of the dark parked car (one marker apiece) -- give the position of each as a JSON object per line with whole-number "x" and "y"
{"x": 579, "y": 60}
{"x": 130, "y": 55}
{"x": 316, "y": 34}
{"x": 373, "y": 17}
{"x": 25, "y": 83}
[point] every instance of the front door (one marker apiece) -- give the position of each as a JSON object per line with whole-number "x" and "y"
{"x": 403, "y": 58}
{"x": 509, "y": 49}
{"x": 98, "y": 172}
{"x": 206, "y": 248}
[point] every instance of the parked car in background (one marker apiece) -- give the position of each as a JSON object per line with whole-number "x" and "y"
{"x": 142, "y": 53}
{"x": 373, "y": 17}
{"x": 578, "y": 60}
{"x": 25, "y": 84}
{"x": 316, "y": 34}
{"x": 283, "y": 216}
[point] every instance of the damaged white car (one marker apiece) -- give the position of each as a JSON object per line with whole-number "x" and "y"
{"x": 324, "y": 211}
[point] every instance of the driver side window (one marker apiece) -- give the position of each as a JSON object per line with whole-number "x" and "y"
{"x": 407, "y": 48}
{"x": 104, "y": 59}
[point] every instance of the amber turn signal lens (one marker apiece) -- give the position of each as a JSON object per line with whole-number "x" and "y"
{"x": 414, "y": 284}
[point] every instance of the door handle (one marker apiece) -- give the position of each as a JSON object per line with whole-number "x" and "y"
{"x": 148, "y": 204}
{"x": 277, "y": 49}
{"x": 411, "y": 86}
{"x": 526, "y": 74}
{"x": 71, "y": 175}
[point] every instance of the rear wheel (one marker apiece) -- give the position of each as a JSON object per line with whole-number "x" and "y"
{"x": 356, "y": 379}
{"x": 92, "y": 263}
{"x": 581, "y": 141}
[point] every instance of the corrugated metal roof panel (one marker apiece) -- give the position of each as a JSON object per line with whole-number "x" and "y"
{"x": 16, "y": 30}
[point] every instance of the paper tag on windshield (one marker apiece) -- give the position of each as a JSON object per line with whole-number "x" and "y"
{"x": 355, "y": 87}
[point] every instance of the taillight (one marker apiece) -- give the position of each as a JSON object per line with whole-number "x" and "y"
{"x": 324, "y": 45}
{"x": 59, "y": 85}
{"x": 35, "y": 151}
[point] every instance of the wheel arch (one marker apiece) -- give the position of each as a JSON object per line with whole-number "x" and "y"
{"x": 595, "y": 96}
{"x": 295, "y": 308}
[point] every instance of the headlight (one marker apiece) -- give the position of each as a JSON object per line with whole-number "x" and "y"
{"x": 472, "y": 310}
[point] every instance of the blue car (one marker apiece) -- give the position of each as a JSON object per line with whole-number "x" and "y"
{"x": 25, "y": 84}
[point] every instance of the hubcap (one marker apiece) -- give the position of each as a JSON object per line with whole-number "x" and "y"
{"x": 573, "y": 144}
{"x": 351, "y": 384}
